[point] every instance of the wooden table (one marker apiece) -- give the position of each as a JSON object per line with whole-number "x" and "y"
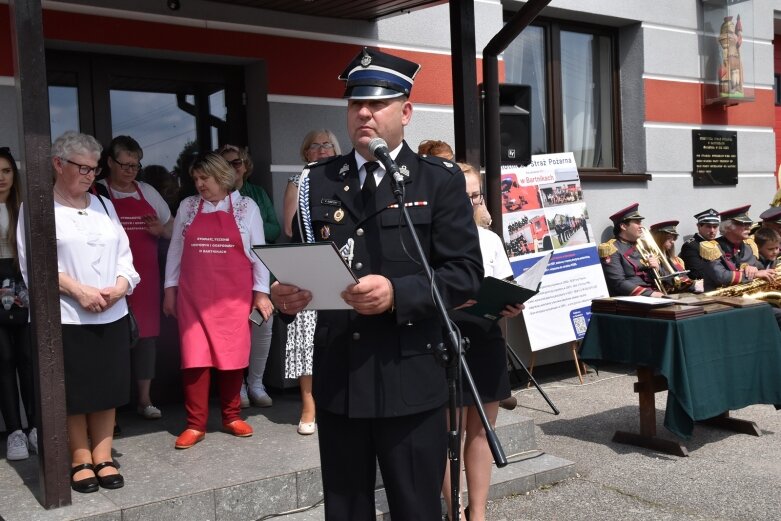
{"x": 709, "y": 364}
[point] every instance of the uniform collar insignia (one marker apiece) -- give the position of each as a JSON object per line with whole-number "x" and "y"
{"x": 403, "y": 170}
{"x": 343, "y": 171}
{"x": 447, "y": 164}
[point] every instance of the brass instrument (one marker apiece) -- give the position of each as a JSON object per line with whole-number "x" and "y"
{"x": 759, "y": 289}
{"x": 673, "y": 281}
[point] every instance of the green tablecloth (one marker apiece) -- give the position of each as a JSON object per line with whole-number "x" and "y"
{"x": 713, "y": 363}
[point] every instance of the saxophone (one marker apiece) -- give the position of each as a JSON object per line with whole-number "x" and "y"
{"x": 759, "y": 289}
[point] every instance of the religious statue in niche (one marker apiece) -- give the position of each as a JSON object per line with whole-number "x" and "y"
{"x": 731, "y": 67}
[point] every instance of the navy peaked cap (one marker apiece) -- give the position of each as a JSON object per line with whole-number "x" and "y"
{"x": 376, "y": 75}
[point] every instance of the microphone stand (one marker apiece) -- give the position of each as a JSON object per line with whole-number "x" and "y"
{"x": 451, "y": 361}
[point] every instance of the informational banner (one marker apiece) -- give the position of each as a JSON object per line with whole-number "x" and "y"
{"x": 543, "y": 210}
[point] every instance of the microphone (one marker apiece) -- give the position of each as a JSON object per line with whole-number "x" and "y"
{"x": 379, "y": 149}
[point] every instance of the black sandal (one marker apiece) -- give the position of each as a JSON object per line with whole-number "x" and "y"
{"x": 112, "y": 480}
{"x": 86, "y": 485}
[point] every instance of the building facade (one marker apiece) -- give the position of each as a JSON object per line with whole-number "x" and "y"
{"x": 623, "y": 85}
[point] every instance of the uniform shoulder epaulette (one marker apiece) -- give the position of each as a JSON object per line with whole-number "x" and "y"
{"x": 606, "y": 249}
{"x": 323, "y": 161}
{"x": 450, "y": 166}
{"x": 709, "y": 250}
{"x": 753, "y": 245}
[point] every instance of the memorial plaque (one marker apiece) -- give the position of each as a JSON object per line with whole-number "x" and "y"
{"x": 714, "y": 157}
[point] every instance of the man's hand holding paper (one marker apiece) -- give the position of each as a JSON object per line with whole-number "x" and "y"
{"x": 371, "y": 296}
{"x": 289, "y": 299}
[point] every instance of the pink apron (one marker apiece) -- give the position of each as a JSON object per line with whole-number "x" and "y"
{"x": 145, "y": 299}
{"x": 215, "y": 294}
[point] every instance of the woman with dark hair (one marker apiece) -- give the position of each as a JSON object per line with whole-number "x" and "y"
{"x": 15, "y": 349}
{"x": 212, "y": 283}
{"x": 147, "y": 219}
{"x": 95, "y": 273}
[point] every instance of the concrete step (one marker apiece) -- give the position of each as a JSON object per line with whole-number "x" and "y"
{"x": 224, "y": 478}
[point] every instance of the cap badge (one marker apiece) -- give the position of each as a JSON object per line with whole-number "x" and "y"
{"x": 339, "y": 215}
{"x": 403, "y": 170}
{"x": 366, "y": 60}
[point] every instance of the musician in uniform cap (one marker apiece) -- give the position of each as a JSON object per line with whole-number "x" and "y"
{"x": 626, "y": 271}
{"x": 771, "y": 218}
{"x": 707, "y": 230}
{"x": 664, "y": 235}
{"x": 732, "y": 258}
{"x": 379, "y": 391}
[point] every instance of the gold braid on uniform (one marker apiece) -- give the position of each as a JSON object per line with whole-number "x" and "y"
{"x": 606, "y": 249}
{"x": 709, "y": 250}
{"x": 753, "y": 245}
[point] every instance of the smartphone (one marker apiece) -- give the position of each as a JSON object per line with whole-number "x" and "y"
{"x": 256, "y": 317}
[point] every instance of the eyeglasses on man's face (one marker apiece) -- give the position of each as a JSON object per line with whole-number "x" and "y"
{"x": 477, "y": 199}
{"x": 84, "y": 169}
{"x": 128, "y": 167}
{"x": 325, "y": 146}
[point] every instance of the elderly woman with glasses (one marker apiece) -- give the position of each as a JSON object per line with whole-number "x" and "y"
{"x": 146, "y": 218}
{"x": 212, "y": 283}
{"x": 254, "y": 391}
{"x": 318, "y": 144}
{"x": 96, "y": 271}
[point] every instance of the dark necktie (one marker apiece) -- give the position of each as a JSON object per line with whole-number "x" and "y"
{"x": 369, "y": 184}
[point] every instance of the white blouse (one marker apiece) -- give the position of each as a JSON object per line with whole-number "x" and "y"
{"x": 5, "y": 248}
{"x": 249, "y": 221}
{"x": 92, "y": 248}
{"x": 495, "y": 261}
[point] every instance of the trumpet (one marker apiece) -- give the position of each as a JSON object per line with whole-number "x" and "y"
{"x": 673, "y": 281}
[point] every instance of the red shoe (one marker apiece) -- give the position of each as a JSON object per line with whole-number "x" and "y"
{"x": 238, "y": 428}
{"x": 189, "y": 438}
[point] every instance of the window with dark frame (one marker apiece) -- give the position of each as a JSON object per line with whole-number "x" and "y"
{"x": 573, "y": 73}
{"x": 777, "y": 88}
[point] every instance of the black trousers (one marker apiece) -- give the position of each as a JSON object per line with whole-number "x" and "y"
{"x": 411, "y": 452}
{"x": 16, "y": 357}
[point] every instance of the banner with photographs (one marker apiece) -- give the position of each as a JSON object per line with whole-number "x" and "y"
{"x": 543, "y": 210}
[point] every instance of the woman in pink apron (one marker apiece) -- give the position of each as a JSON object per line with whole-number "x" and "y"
{"x": 212, "y": 283}
{"x": 146, "y": 217}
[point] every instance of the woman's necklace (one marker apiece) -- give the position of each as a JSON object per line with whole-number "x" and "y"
{"x": 81, "y": 207}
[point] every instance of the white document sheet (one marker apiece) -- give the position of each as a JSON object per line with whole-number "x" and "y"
{"x": 316, "y": 267}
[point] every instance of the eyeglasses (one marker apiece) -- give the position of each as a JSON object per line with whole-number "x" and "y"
{"x": 477, "y": 199}
{"x": 84, "y": 169}
{"x": 236, "y": 163}
{"x": 318, "y": 146}
{"x": 128, "y": 167}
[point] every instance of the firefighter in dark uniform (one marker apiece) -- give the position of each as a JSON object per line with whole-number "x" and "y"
{"x": 707, "y": 230}
{"x": 626, "y": 271}
{"x": 379, "y": 391}
{"x": 732, "y": 258}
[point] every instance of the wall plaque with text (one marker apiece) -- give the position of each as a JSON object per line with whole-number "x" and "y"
{"x": 714, "y": 157}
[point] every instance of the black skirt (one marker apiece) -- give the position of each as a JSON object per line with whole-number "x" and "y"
{"x": 487, "y": 360}
{"x": 97, "y": 366}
